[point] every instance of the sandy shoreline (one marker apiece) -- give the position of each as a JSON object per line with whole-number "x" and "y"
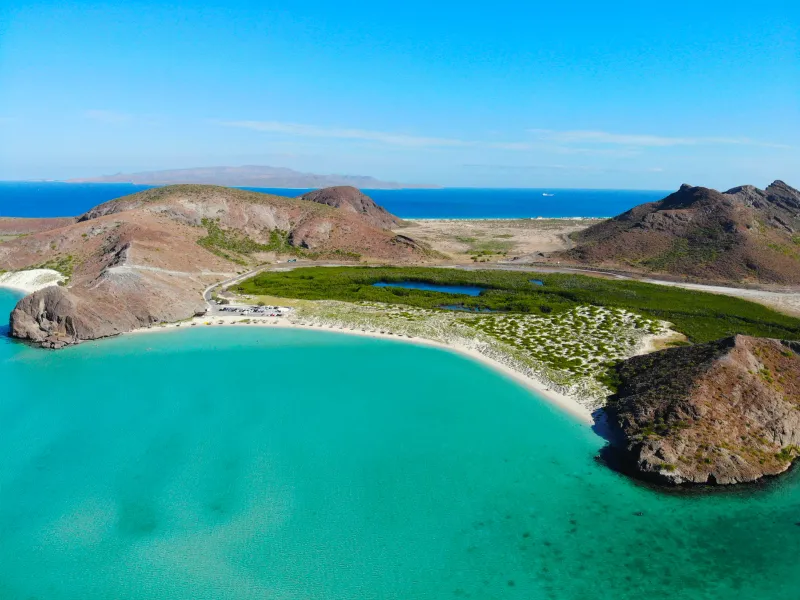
{"x": 31, "y": 280}
{"x": 561, "y": 401}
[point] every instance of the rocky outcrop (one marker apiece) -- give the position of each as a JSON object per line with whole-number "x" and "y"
{"x": 56, "y": 317}
{"x": 144, "y": 259}
{"x": 310, "y": 224}
{"x": 353, "y": 200}
{"x": 724, "y": 412}
{"x": 742, "y": 235}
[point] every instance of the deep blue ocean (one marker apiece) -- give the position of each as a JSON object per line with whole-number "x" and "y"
{"x": 33, "y": 199}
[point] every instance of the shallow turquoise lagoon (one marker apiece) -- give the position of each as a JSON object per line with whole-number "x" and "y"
{"x": 250, "y": 464}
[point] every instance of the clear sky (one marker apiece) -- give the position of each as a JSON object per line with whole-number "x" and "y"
{"x": 508, "y": 94}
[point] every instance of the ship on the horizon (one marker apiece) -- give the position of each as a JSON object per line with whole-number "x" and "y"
{"x": 547, "y": 195}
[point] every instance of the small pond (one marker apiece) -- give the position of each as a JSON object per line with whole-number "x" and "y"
{"x": 466, "y": 290}
{"x": 536, "y": 281}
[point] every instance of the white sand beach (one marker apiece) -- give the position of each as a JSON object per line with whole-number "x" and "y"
{"x": 31, "y": 280}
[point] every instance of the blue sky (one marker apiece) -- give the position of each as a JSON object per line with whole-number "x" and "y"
{"x": 507, "y": 94}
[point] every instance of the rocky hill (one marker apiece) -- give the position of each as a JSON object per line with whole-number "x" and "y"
{"x": 352, "y": 200}
{"x": 146, "y": 258}
{"x": 742, "y": 235}
{"x": 719, "y": 413}
{"x": 246, "y": 176}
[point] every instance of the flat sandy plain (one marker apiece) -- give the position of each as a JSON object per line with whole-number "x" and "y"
{"x": 491, "y": 240}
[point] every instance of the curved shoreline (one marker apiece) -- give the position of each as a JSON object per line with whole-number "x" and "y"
{"x": 561, "y": 401}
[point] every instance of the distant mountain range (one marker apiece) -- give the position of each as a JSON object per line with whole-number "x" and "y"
{"x": 248, "y": 176}
{"x": 742, "y": 235}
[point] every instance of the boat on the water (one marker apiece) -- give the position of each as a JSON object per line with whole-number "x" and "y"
{"x": 548, "y": 195}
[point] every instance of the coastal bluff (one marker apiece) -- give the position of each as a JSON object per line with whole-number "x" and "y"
{"x": 146, "y": 258}
{"x": 724, "y": 412}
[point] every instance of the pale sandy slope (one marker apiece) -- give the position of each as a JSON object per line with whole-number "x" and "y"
{"x": 31, "y": 280}
{"x": 496, "y": 239}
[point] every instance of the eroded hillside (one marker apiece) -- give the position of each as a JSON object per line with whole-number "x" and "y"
{"x": 742, "y": 235}
{"x": 146, "y": 258}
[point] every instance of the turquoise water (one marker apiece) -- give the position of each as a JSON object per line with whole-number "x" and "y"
{"x": 250, "y": 464}
{"x": 464, "y": 290}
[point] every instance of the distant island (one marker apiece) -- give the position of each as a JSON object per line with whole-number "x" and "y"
{"x": 248, "y": 176}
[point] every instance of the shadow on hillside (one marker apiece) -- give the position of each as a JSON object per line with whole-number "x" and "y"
{"x": 613, "y": 454}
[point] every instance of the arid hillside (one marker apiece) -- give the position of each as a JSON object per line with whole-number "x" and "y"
{"x": 146, "y": 258}
{"x": 353, "y": 200}
{"x": 723, "y": 412}
{"x": 742, "y": 235}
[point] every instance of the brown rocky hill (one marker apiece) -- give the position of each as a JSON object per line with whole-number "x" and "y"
{"x": 353, "y": 200}
{"x": 721, "y": 413}
{"x": 146, "y": 258}
{"x": 742, "y": 235}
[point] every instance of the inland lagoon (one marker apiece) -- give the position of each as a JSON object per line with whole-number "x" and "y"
{"x": 465, "y": 290}
{"x": 244, "y": 463}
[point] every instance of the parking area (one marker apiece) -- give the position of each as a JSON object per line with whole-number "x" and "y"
{"x": 251, "y": 311}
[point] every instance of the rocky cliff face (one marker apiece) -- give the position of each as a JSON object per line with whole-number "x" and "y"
{"x": 352, "y": 200}
{"x": 719, "y": 413}
{"x": 56, "y": 317}
{"x": 146, "y": 258}
{"x": 744, "y": 234}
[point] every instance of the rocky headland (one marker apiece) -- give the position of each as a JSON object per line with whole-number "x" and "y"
{"x": 722, "y": 413}
{"x": 146, "y": 258}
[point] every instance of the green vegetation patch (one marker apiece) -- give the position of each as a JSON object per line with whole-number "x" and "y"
{"x": 235, "y": 246}
{"x": 63, "y": 264}
{"x": 701, "y": 246}
{"x": 223, "y": 241}
{"x": 700, "y": 316}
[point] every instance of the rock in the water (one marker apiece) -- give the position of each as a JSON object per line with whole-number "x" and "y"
{"x": 57, "y": 317}
{"x": 718, "y": 413}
